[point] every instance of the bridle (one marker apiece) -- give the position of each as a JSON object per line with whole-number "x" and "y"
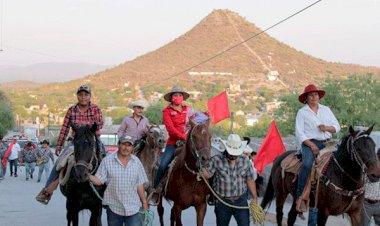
{"x": 155, "y": 141}
{"x": 89, "y": 165}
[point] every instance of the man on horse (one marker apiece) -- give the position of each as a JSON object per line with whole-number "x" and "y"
{"x": 135, "y": 125}
{"x": 315, "y": 124}
{"x": 83, "y": 113}
{"x": 125, "y": 177}
{"x": 234, "y": 177}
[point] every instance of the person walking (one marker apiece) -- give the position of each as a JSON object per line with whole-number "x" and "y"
{"x": 315, "y": 124}
{"x": 14, "y": 155}
{"x": 29, "y": 157}
{"x": 82, "y": 113}
{"x": 125, "y": 177}
{"x": 44, "y": 154}
{"x": 371, "y": 209}
{"x": 234, "y": 177}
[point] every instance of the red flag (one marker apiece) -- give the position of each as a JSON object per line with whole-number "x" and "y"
{"x": 271, "y": 147}
{"x": 218, "y": 107}
{"x": 5, "y": 158}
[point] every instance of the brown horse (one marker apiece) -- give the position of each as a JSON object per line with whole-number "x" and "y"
{"x": 341, "y": 186}
{"x": 154, "y": 142}
{"x": 183, "y": 187}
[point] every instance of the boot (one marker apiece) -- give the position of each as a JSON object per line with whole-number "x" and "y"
{"x": 45, "y": 194}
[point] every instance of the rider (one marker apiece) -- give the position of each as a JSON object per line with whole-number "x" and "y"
{"x": 83, "y": 113}
{"x": 315, "y": 124}
{"x": 175, "y": 117}
{"x": 136, "y": 124}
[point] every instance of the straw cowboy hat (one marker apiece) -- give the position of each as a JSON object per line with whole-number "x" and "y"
{"x": 176, "y": 89}
{"x": 308, "y": 89}
{"x": 234, "y": 145}
{"x": 137, "y": 103}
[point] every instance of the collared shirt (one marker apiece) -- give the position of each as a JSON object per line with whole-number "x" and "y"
{"x": 230, "y": 180}
{"x": 45, "y": 154}
{"x": 133, "y": 128}
{"x": 307, "y": 123}
{"x": 14, "y": 152}
{"x": 122, "y": 181}
{"x": 75, "y": 116}
{"x": 175, "y": 122}
{"x": 29, "y": 154}
{"x": 372, "y": 190}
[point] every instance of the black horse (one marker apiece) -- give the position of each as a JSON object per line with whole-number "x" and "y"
{"x": 77, "y": 190}
{"x": 341, "y": 186}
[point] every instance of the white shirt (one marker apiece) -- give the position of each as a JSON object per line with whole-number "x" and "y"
{"x": 307, "y": 123}
{"x": 122, "y": 181}
{"x": 14, "y": 152}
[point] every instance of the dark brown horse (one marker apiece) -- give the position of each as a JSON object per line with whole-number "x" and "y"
{"x": 154, "y": 143}
{"x": 183, "y": 187}
{"x": 341, "y": 187}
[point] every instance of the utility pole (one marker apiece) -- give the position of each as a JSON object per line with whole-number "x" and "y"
{"x": 232, "y": 122}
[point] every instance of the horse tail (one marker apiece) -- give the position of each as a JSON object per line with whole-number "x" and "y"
{"x": 269, "y": 194}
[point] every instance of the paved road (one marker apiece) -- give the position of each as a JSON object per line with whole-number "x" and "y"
{"x": 19, "y": 208}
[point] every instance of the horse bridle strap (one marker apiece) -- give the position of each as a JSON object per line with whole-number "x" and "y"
{"x": 341, "y": 191}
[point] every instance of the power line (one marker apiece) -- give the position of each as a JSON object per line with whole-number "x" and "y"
{"x": 234, "y": 46}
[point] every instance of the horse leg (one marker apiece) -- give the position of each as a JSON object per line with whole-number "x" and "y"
{"x": 201, "y": 212}
{"x": 355, "y": 217}
{"x": 175, "y": 216}
{"x": 68, "y": 213}
{"x": 96, "y": 217}
{"x": 280, "y": 200}
{"x": 322, "y": 219}
{"x": 160, "y": 211}
{"x": 292, "y": 215}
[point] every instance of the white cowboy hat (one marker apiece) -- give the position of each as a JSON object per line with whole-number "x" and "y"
{"x": 137, "y": 103}
{"x": 234, "y": 145}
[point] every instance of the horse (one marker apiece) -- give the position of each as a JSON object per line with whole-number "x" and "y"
{"x": 79, "y": 194}
{"x": 183, "y": 188}
{"x": 340, "y": 188}
{"x": 154, "y": 142}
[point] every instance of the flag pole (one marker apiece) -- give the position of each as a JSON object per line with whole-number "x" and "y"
{"x": 232, "y": 122}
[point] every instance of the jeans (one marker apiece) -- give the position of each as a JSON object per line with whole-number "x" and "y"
{"x": 44, "y": 167}
{"x": 114, "y": 219}
{"x": 13, "y": 162}
{"x": 2, "y": 171}
{"x": 54, "y": 173}
{"x": 369, "y": 211}
{"x": 224, "y": 213}
{"x": 29, "y": 169}
{"x": 165, "y": 160}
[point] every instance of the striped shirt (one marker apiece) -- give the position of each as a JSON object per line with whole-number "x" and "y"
{"x": 372, "y": 190}
{"x": 75, "y": 116}
{"x": 230, "y": 180}
{"x": 121, "y": 193}
{"x": 131, "y": 127}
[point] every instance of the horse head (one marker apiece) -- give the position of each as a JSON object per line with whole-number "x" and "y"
{"x": 85, "y": 149}
{"x": 200, "y": 140}
{"x": 155, "y": 137}
{"x": 364, "y": 146}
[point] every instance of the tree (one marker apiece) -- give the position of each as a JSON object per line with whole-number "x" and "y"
{"x": 154, "y": 112}
{"x": 7, "y": 121}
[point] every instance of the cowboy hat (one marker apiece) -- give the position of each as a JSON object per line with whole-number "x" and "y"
{"x": 176, "y": 89}
{"x": 234, "y": 145}
{"x": 308, "y": 89}
{"x": 137, "y": 103}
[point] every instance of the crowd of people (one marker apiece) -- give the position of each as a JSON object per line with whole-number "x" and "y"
{"x": 233, "y": 170}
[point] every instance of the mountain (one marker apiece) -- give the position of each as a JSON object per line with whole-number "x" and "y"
{"x": 48, "y": 72}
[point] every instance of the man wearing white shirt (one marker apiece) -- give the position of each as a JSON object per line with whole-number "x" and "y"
{"x": 315, "y": 124}
{"x": 13, "y": 157}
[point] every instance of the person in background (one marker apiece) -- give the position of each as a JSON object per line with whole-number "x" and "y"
{"x": 29, "y": 157}
{"x": 82, "y": 113}
{"x": 125, "y": 177}
{"x": 315, "y": 124}
{"x": 371, "y": 207}
{"x": 135, "y": 125}
{"x": 14, "y": 155}
{"x": 234, "y": 177}
{"x": 44, "y": 154}
{"x": 175, "y": 116}
{"x": 3, "y": 149}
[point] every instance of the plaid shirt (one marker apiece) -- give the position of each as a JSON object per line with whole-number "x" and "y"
{"x": 75, "y": 116}
{"x": 45, "y": 154}
{"x": 29, "y": 154}
{"x": 230, "y": 181}
{"x": 122, "y": 181}
{"x": 372, "y": 190}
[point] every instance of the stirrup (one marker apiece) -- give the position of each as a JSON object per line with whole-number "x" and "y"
{"x": 43, "y": 197}
{"x": 154, "y": 198}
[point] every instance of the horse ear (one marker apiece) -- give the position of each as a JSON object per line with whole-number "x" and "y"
{"x": 352, "y": 131}
{"x": 369, "y": 130}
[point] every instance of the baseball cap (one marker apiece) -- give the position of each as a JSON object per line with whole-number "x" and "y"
{"x": 84, "y": 88}
{"x": 125, "y": 139}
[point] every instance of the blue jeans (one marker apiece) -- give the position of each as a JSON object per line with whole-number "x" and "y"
{"x": 43, "y": 167}
{"x": 224, "y": 213}
{"x": 165, "y": 160}
{"x": 54, "y": 173}
{"x": 14, "y": 163}
{"x": 370, "y": 211}
{"x": 29, "y": 169}
{"x": 114, "y": 219}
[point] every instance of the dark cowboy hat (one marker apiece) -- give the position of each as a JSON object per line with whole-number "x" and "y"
{"x": 84, "y": 88}
{"x": 176, "y": 89}
{"x": 45, "y": 142}
{"x": 308, "y": 89}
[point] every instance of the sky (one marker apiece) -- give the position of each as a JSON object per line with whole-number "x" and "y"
{"x": 110, "y": 32}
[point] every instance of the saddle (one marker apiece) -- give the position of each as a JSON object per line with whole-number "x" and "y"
{"x": 64, "y": 164}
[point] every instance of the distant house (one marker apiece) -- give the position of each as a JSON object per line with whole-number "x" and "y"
{"x": 252, "y": 120}
{"x": 195, "y": 94}
{"x": 240, "y": 112}
{"x": 273, "y": 75}
{"x": 271, "y": 106}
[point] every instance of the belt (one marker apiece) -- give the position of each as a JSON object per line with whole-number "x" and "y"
{"x": 370, "y": 201}
{"x": 233, "y": 198}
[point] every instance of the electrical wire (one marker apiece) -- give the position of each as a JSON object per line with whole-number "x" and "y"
{"x": 232, "y": 47}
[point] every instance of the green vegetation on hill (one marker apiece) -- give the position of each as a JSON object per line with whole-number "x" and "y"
{"x": 7, "y": 121}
